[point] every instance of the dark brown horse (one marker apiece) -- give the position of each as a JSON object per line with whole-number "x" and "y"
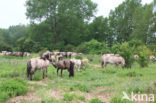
{"x": 64, "y": 65}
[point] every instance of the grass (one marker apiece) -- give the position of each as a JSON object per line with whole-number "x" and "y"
{"x": 95, "y": 100}
{"x": 115, "y": 79}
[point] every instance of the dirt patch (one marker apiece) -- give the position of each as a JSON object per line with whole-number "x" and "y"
{"x": 31, "y": 88}
{"x": 100, "y": 92}
{"x": 42, "y": 82}
{"x": 57, "y": 94}
{"x": 28, "y": 97}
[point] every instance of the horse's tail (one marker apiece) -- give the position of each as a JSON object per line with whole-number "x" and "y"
{"x": 28, "y": 68}
{"x": 71, "y": 69}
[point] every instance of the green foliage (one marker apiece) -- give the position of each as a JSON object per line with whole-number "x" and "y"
{"x": 73, "y": 96}
{"x": 28, "y": 45}
{"x": 69, "y": 47}
{"x": 126, "y": 51}
{"x": 11, "y": 88}
{"x": 4, "y": 96}
{"x": 5, "y": 47}
{"x": 95, "y": 100}
{"x": 62, "y": 26}
{"x": 78, "y": 57}
{"x": 93, "y": 47}
{"x": 100, "y": 30}
{"x": 143, "y": 56}
{"x": 81, "y": 48}
{"x": 82, "y": 87}
{"x": 117, "y": 99}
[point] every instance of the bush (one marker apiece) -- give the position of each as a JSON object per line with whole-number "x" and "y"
{"x": 28, "y": 45}
{"x": 143, "y": 56}
{"x": 93, "y": 47}
{"x": 126, "y": 51}
{"x": 69, "y": 47}
{"x": 95, "y": 100}
{"x": 13, "y": 87}
{"x": 78, "y": 57}
{"x": 82, "y": 48}
{"x": 5, "y": 47}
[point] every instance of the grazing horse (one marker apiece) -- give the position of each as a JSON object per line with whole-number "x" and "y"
{"x": 112, "y": 59}
{"x": 37, "y": 64}
{"x": 64, "y": 65}
{"x": 78, "y": 64}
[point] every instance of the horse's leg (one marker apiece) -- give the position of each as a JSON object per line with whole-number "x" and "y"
{"x": 116, "y": 64}
{"x": 31, "y": 76}
{"x": 43, "y": 73}
{"x": 57, "y": 71}
{"x": 61, "y": 72}
{"x": 79, "y": 68}
{"x": 102, "y": 64}
{"x": 46, "y": 71}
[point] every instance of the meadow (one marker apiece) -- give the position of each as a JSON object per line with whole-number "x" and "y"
{"x": 93, "y": 85}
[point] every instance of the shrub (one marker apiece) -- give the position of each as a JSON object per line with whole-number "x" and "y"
{"x": 143, "y": 56}
{"x": 28, "y": 45}
{"x": 93, "y": 47}
{"x": 5, "y": 47}
{"x": 78, "y": 57}
{"x": 13, "y": 87}
{"x": 69, "y": 47}
{"x": 95, "y": 100}
{"x": 82, "y": 48}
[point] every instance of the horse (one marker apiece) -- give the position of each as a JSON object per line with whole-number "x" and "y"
{"x": 152, "y": 58}
{"x": 78, "y": 64}
{"x": 37, "y": 64}
{"x": 26, "y": 54}
{"x": 85, "y": 61}
{"x": 112, "y": 59}
{"x": 64, "y": 65}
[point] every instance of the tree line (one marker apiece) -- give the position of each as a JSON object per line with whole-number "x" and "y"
{"x": 71, "y": 25}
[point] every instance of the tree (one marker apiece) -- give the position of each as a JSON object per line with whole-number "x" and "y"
{"x": 142, "y": 21}
{"x": 65, "y": 18}
{"x": 100, "y": 30}
{"x": 121, "y": 20}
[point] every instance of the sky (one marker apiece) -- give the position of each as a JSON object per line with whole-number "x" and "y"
{"x": 12, "y": 12}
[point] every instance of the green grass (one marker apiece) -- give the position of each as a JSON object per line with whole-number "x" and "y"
{"x": 115, "y": 79}
{"x": 95, "y": 100}
{"x": 73, "y": 96}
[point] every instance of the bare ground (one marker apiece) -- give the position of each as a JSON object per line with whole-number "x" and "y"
{"x": 102, "y": 93}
